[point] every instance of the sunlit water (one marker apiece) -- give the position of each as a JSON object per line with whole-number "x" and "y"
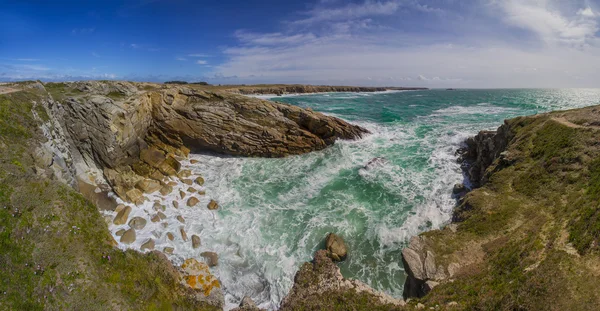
{"x": 275, "y": 213}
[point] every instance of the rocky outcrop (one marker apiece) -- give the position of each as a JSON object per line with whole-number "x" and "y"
{"x": 319, "y": 285}
{"x": 135, "y": 136}
{"x": 336, "y": 248}
{"x": 481, "y": 151}
{"x": 420, "y": 266}
{"x": 238, "y": 125}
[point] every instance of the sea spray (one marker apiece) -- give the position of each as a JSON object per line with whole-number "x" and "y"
{"x": 274, "y": 213}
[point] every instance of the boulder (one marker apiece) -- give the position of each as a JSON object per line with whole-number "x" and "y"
{"x": 213, "y": 205}
{"x": 192, "y": 161}
{"x": 188, "y": 182}
{"x": 120, "y": 232}
{"x": 148, "y": 185}
{"x": 191, "y": 190}
{"x": 212, "y": 259}
{"x": 148, "y": 245}
{"x": 159, "y": 207}
{"x": 199, "y": 181}
{"x": 184, "y": 236}
{"x": 193, "y": 201}
{"x": 155, "y": 218}
{"x": 184, "y": 174}
{"x": 175, "y": 204}
{"x": 458, "y": 189}
{"x": 336, "y": 248}
{"x": 195, "y": 241}
{"x": 122, "y": 216}
{"x": 170, "y": 236}
{"x": 152, "y": 157}
{"x": 135, "y": 196}
{"x": 165, "y": 190}
{"x": 128, "y": 237}
{"x": 168, "y": 250}
{"x": 197, "y": 276}
{"x": 137, "y": 223}
{"x": 180, "y": 218}
{"x": 181, "y": 194}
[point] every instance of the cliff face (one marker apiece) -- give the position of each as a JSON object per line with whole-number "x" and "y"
{"x": 517, "y": 239}
{"x": 136, "y": 131}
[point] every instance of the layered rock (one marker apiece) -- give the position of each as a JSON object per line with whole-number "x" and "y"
{"x": 135, "y": 136}
{"x": 302, "y": 89}
{"x": 319, "y": 285}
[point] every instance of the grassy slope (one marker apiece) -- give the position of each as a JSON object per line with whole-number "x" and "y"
{"x": 54, "y": 245}
{"x": 536, "y": 223}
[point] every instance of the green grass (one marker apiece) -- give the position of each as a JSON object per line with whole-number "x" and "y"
{"x": 54, "y": 244}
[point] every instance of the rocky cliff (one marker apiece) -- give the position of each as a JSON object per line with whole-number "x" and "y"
{"x": 302, "y": 89}
{"x": 98, "y": 136}
{"x": 526, "y": 237}
{"x": 137, "y": 131}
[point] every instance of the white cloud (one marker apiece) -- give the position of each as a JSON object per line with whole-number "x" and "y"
{"x": 272, "y": 38}
{"x": 201, "y": 62}
{"x": 182, "y": 59}
{"x": 350, "y": 11}
{"x": 546, "y": 19}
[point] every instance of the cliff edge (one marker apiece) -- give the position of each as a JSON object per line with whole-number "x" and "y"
{"x": 526, "y": 236}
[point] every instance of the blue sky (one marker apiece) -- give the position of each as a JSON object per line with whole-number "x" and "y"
{"x": 434, "y": 43}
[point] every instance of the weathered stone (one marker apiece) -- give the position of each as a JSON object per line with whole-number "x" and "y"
{"x": 193, "y": 201}
{"x": 152, "y": 157}
{"x": 157, "y": 175}
{"x": 180, "y": 218}
{"x": 128, "y": 236}
{"x": 165, "y": 190}
{"x": 199, "y": 181}
{"x": 336, "y": 248}
{"x": 197, "y": 276}
{"x": 168, "y": 250}
{"x": 322, "y": 278}
{"x": 158, "y": 207}
{"x": 137, "y": 223}
{"x": 135, "y": 196}
{"x": 175, "y": 204}
{"x": 181, "y": 194}
{"x": 122, "y": 216}
{"x": 458, "y": 189}
{"x": 148, "y": 245}
{"x": 155, "y": 218}
{"x": 119, "y": 208}
{"x": 120, "y": 232}
{"x": 148, "y": 185}
{"x": 195, "y": 241}
{"x": 201, "y": 192}
{"x": 170, "y": 236}
{"x": 192, "y": 161}
{"x": 213, "y": 205}
{"x": 184, "y": 236}
{"x": 184, "y": 174}
{"x": 212, "y": 259}
{"x": 188, "y": 182}
{"x": 191, "y": 190}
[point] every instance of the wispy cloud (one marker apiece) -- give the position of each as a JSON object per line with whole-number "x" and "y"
{"x": 198, "y": 55}
{"x": 182, "y": 59}
{"x": 201, "y": 62}
{"x": 361, "y": 43}
{"x": 553, "y": 25}
{"x": 95, "y": 54}
{"x": 144, "y": 47}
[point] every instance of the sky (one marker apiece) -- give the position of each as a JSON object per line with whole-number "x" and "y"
{"x": 430, "y": 43}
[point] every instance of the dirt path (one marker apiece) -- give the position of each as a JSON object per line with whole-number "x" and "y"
{"x": 6, "y": 90}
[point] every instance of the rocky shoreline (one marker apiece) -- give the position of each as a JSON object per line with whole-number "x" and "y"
{"x": 525, "y": 221}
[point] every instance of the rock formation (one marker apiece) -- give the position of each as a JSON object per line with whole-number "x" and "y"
{"x": 319, "y": 285}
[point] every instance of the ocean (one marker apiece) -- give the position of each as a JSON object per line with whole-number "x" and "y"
{"x": 275, "y": 213}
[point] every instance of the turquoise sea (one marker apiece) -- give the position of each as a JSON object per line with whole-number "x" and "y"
{"x": 275, "y": 213}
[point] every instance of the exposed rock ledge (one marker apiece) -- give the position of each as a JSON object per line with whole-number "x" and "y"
{"x": 135, "y": 131}
{"x": 302, "y": 89}
{"x": 319, "y": 285}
